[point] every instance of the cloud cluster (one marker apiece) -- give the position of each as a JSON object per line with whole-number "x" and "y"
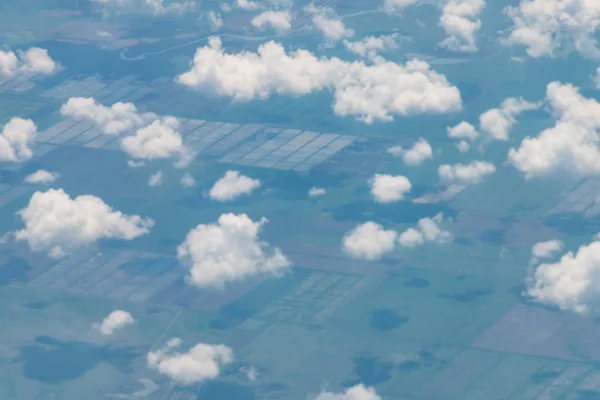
{"x": 465, "y": 174}
{"x": 41, "y": 176}
{"x": 367, "y": 92}
{"x": 156, "y": 179}
{"x": 200, "y": 363}
{"x": 56, "y": 223}
{"x": 15, "y": 140}
{"x": 358, "y": 392}
{"x": 281, "y": 21}
{"x": 465, "y": 132}
{"x": 215, "y": 19}
{"x": 427, "y": 230}
{"x": 147, "y": 137}
{"x": 155, "y": 7}
{"x": 498, "y": 122}
{"x": 229, "y": 250}
{"x": 415, "y": 155}
{"x": 548, "y": 27}
{"x": 388, "y": 188}
{"x": 233, "y": 185}
{"x": 34, "y": 60}
{"x": 571, "y": 144}
{"x": 572, "y": 283}
{"x": 116, "y": 320}
{"x": 459, "y": 21}
{"x": 369, "y": 241}
{"x": 397, "y": 6}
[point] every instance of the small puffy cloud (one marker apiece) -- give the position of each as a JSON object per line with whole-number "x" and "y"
{"x": 328, "y": 23}
{"x": 572, "y": 283}
{"x": 465, "y": 174}
{"x": 358, "y": 392}
{"x": 388, "y": 188}
{"x": 16, "y": 137}
{"x": 315, "y": 192}
{"x": 41, "y": 176}
{"x": 460, "y": 21}
{"x": 247, "y": 4}
{"x": 370, "y": 46}
{"x": 463, "y": 146}
{"x": 548, "y": 27}
{"x": 201, "y": 363}
{"x": 215, "y": 19}
{"x": 427, "y": 230}
{"x": 56, "y": 223}
{"x": 463, "y": 130}
{"x": 571, "y": 144}
{"x": 232, "y": 185}
{"x": 498, "y": 122}
{"x": 414, "y": 156}
{"x": 156, "y": 179}
{"x": 596, "y": 78}
{"x": 229, "y": 250}
{"x": 369, "y": 241}
{"x": 114, "y": 120}
{"x": 155, "y": 7}
{"x": 116, "y": 320}
{"x": 281, "y": 21}
{"x": 545, "y": 250}
{"x": 368, "y": 92}
{"x": 157, "y": 140}
{"x": 35, "y": 61}
{"x": 187, "y": 180}
{"x": 397, "y": 6}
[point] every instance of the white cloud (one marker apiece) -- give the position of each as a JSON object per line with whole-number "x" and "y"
{"x": 414, "y": 156}
{"x": 56, "y": 223}
{"x": 155, "y": 7}
{"x": 547, "y": 27}
{"x": 571, "y": 144}
{"x": 397, "y": 6}
{"x": 463, "y": 130}
{"x": 200, "y": 363}
{"x": 315, "y": 191}
{"x": 15, "y": 139}
{"x": 369, "y": 241}
{"x": 465, "y": 174}
{"x": 229, "y": 250}
{"x": 459, "y": 21}
{"x": 368, "y": 92}
{"x": 34, "y": 60}
{"x": 281, "y": 21}
{"x": 215, "y": 19}
{"x": 544, "y": 250}
{"x": 187, "y": 180}
{"x": 233, "y": 185}
{"x": 149, "y": 136}
{"x": 572, "y": 283}
{"x": 427, "y": 230}
{"x": 41, "y": 176}
{"x": 596, "y": 78}
{"x": 156, "y": 179}
{"x": 498, "y": 122}
{"x": 369, "y": 46}
{"x": 328, "y": 23}
{"x": 116, "y": 320}
{"x": 358, "y": 392}
{"x": 114, "y": 120}
{"x": 157, "y": 140}
{"x": 388, "y": 188}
